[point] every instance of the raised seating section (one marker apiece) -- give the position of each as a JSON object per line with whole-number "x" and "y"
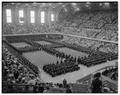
{"x": 100, "y": 25}
{"x": 111, "y": 73}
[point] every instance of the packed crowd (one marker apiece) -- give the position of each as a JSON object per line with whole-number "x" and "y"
{"x": 93, "y": 45}
{"x": 63, "y": 67}
{"x": 99, "y": 25}
{"x": 13, "y": 71}
{"x": 111, "y": 73}
{"x": 26, "y": 29}
{"x": 23, "y": 60}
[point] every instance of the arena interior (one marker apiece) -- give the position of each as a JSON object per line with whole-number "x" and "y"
{"x": 58, "y": 47}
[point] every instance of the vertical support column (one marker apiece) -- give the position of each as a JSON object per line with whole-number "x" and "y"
{"x": 35, "y": 10}
{"x": 49, "y": 17}
{"x": 56, "y": 17}
{"x": 27, "y": 15}
{"x": 58, "y": 14}
{"x": 46, "y": 13}
{"x": 46, "y": 17}
{"x": 12, "y": 15}
{"x": 16, "y": 15}
{"x": 3, "y": 16}
{"x": 39, "y": 16}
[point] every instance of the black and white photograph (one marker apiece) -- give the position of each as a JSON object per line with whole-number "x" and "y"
{"x": 59, "y": 47}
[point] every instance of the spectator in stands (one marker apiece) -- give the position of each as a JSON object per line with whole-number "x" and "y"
{"x": 68, "y": 89}
{"x": 106, "y": 90}
{"x": 47, "y": 90}
{"x": 40, "y": 88}
{"x": 96, "y": 84}
{"x": 64, "y": 83}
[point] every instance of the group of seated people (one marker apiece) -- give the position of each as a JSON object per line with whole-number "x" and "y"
{"x": 14, "y": 72}
{"x": 99, "y": 25}
{"x": 26, "y": 29}
{"x": 59, "y": 68}
{"x": 92, "y": 44}
{"x": 112, "y": 73}
{"x": 21, "y": 58}
{"x": 90, "y": 61}
{"x": 15, "y": 29}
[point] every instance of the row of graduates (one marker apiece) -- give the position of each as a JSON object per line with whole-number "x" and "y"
{"x": 90, "y": 60}
{"x": 59, "y": 68}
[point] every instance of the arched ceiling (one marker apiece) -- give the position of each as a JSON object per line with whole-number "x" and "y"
{"x": 77, "y": 6}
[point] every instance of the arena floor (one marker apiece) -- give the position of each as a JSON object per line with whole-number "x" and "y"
{"x": 20, "y": 44}
{"x": 40, "y": 58}
{"x": 72, "y": 77}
